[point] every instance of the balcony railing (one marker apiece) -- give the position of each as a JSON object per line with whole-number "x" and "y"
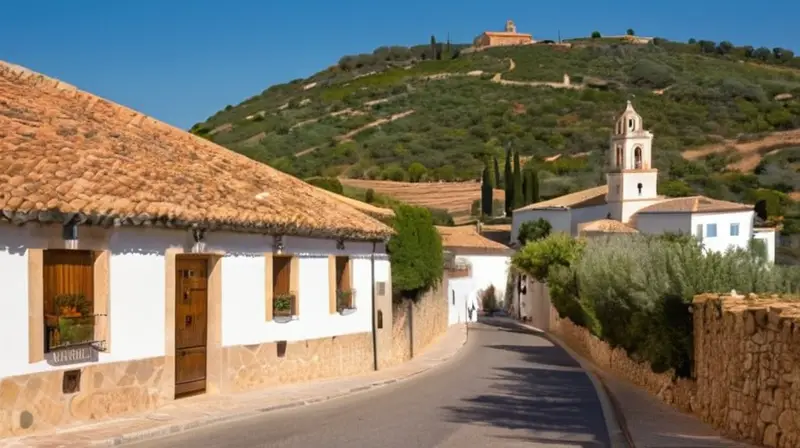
{"x": 71, "y": 331}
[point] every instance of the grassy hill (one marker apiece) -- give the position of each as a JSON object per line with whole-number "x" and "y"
{"x": 714, "y": 109}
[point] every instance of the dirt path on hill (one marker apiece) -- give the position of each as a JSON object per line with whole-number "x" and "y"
{"x": 349, "y": 136}
{"x": 752, "y": 152}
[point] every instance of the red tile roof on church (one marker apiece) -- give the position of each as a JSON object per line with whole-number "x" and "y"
{"x": 695, "y": 204}
{"x": 584, "y": 198}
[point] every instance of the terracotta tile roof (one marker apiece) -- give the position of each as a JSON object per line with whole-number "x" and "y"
{"x": 583, "y": 198}
{"x": 467, "y": 239}
{"x": 606, "y": 226}
{"x": 69, "y": 155}
{"x": 695, "y": 204}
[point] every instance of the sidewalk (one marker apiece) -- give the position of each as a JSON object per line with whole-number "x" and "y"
{"x": 194, "y": 412}
{"x": 648, "y": 422}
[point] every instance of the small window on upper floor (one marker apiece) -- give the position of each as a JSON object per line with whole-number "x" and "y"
{"x": 711, "y": 230}
{"x": 631, "y": 123}
{"x": 735, "y": 229}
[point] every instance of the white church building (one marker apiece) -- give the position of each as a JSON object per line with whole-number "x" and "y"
{"x": 629, "y": 202}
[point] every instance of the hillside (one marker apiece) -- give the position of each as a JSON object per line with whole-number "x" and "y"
{"x": 372, "y": 116}
{"x": 454, "y": 197}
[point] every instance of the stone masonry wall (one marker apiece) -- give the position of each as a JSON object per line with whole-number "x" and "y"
{"x": 747, "y": 367}
{"x": 259, "y": 365}
{"x": 35, "y": 402}
{"x": 430, "y": 314}
{"x": 747, "y": 363}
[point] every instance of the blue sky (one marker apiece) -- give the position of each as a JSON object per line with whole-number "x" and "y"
{"x": 180, "y": 61}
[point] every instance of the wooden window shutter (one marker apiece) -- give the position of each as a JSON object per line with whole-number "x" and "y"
{"x": 67, "y": 272}
{"x": 282, "y": 275}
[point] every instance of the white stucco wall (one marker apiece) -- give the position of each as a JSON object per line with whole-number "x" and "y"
{"x": 586, "y": 214}
{"x": 137, "y": 290}
{"x": 458, "y": 290}
{"x": 243, "y": 293}
{"x": 489, "y": 270}
{"x": 659, "y": 223}
{"x": 724, "y": 240}
{"x": 559, "y": 219}
{"x": 768, "y": 237}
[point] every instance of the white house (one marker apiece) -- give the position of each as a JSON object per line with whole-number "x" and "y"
{"x": 629, "y": 201}
{"x": 488, "y": 263}
{"x": 140, "y": 263}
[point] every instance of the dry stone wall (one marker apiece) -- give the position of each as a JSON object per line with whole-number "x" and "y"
{"x": 428, "y": 318}
{"x": 747, "y": 367}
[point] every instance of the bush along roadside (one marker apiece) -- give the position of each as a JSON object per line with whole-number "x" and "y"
{"x": 635, "y": 291}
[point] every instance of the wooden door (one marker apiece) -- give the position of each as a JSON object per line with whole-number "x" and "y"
{"x": 191, "y": 324}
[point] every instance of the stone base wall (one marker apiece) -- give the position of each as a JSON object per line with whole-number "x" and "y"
{"x": 256, "y": 366}
{"x": 36, "y": 402}
{"x": 747, "y": 363}
{"x": 747, "y": 367}
{"x": 675, "y": 391}
{"x": 429, "y": 318}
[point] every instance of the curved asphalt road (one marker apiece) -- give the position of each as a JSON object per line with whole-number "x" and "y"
{"x": 508, "y": 387}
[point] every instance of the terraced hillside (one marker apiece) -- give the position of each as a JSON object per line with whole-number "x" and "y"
{"x": 454, "y": 197}
{"x": 373, "y": 116}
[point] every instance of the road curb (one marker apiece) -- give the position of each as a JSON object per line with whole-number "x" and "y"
{"x": 614, "y": 419}
{"x": 177, "y": 428}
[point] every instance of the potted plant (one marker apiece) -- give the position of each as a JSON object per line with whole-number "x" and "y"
{"x": 283, "y": 306}
{"x": 74, "y": 320}
{"x": 345, "y": 300}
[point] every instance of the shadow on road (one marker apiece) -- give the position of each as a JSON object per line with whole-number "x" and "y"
{"x": 537, "y": 391}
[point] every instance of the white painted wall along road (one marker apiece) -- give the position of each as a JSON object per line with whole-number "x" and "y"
{"x": 137, "y": 290}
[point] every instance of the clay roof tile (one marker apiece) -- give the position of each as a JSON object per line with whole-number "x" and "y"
{"x": 67, "y": 154}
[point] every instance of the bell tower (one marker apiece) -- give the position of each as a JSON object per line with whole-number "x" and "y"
{"x": 632, "y": 180}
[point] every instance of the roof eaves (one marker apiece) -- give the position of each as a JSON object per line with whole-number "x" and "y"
{"x": 109, "y": 220}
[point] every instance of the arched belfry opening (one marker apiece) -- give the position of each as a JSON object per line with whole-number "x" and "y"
{"x": 619, "y": 157}
{"x": 637, "y": 158}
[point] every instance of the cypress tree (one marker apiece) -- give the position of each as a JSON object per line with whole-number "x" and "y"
{"x": 526, "y": 191}
{"x": 519, "y": 199}
{"x": 534, "y": 182}
{"x": 509, "y": 185}
{"x": 486, "y": 193}
{"x": 498, "y": 181}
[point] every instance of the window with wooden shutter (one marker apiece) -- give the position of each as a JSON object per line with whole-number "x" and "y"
{"x": 284, "y": 300}
{"x": 345, "y": 295}
{"x": 68, "y": 297}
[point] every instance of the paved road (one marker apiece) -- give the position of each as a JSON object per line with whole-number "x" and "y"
{"x": 508, "y": 387}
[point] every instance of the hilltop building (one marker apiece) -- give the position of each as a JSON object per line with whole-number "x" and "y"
{"x": 498, "y": 38}
{"x": 630, "y": 203}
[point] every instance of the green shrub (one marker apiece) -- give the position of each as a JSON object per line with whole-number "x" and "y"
{"x": 441, "y": 217}
{"x": 537, "y": 257}
{"x": 327, "y": 183}
{"x": 640, "y": 289}
{"x": 415, "y": 252}
{"x": 534, "y": 231}
{"x": 635, "y": 292}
